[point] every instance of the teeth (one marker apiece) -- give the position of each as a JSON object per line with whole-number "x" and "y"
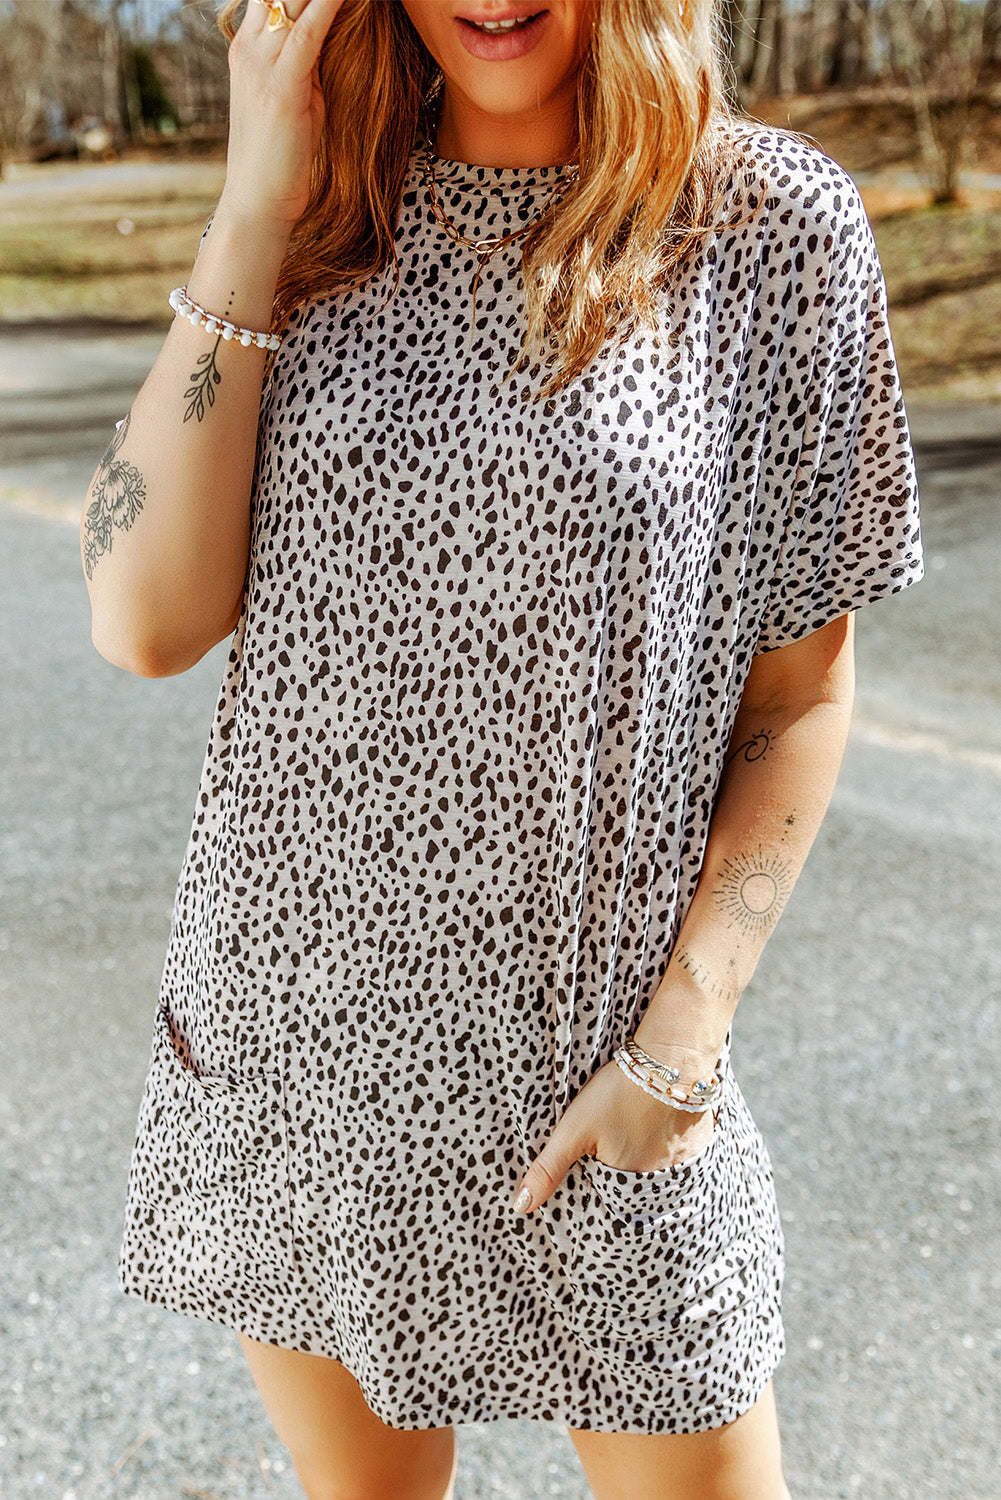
{"x": 500, "y": 25}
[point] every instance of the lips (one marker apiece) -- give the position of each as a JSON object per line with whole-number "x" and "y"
{"x": 512, "y": 41}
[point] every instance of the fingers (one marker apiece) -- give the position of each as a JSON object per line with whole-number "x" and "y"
{"x": 302, "y": 47}
{"x": 545, "y": 1174}
{"x": 305, "y": 14}
{"x": 573, "y": 1135}
{"x": 255, "y": 17}
{"x": 291, "y": 50}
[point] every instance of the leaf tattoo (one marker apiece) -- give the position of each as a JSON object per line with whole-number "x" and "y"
{"x": 118, "y": 497}
{"x": 203, "y": 390}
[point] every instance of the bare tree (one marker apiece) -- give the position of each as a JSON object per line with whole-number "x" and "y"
{"x": 991, "y": 39}
{"x": 763, "y": 51}
{"x": 783, "y": 66}
{"x": 939, "y": 44}
{"x": 868, "y": 64}
{"x": 839, "y": 66}
{"x": 54, "y": 69}
{"x": 26, "y": 36}
{"x": 813, "y": 38}
{"x": 191, "y": 54}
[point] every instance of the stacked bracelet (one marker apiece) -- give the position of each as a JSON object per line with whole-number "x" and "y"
{"x": 660, "y": 1079}
{"x": 184, "y": 307}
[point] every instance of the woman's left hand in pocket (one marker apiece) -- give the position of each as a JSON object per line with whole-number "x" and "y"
{"x": 620, "y": 1124}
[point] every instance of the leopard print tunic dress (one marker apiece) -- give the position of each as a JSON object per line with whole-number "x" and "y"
{"x": 456, "y": 797}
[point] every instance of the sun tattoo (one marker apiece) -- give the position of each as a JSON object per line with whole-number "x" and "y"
{"x": 118, "y": 497}
{"x": 754, "y": 748}
{"x": 754, "y": 891}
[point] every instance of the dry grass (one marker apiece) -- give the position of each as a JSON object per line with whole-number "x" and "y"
{"x": 943, "y": 278}
{"x": 99, "y": 252}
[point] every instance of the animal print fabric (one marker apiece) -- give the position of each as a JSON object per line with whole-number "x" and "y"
{"x": 455, "y": 802}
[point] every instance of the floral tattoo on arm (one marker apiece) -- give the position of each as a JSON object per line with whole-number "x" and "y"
{"x": 118, "y": 497}
{"x": 120, "y": 488}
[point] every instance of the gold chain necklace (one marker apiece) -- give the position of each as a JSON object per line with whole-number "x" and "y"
{"x": 484, "y": 248}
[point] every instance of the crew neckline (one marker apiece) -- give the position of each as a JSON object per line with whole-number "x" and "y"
{"x": 451, "y": 169}
{"x": 482, "y": 201}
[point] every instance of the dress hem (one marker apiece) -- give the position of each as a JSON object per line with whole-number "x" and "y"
{"x": 710, "y": 1417}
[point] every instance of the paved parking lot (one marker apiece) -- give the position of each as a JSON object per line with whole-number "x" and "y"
{"x": 879, "y": 990}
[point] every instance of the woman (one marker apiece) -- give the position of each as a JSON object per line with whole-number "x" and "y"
{"x": 536, "y": 697}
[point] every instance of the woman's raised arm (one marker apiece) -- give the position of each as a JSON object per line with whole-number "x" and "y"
{"x": 164, "y": 534}
{"x": 165, "y": 529}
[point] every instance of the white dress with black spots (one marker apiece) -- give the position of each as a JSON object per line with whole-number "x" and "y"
{"x": 455, "y": 804}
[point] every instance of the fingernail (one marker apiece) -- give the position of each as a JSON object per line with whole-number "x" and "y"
{"x": 522, "y": 1201}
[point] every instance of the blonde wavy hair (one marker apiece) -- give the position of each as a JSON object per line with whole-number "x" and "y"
{"x": 659, "y": 146}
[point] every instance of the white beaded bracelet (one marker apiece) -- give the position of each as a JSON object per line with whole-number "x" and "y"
{"x": 184, "y": 307}
{"x": 706, "y": 1094}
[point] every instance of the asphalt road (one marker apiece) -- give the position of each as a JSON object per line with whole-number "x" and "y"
{"x": 67, "y": 179}
{"x": 879, "y": 991}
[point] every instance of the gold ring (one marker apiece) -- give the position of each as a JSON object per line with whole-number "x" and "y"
{"x": 278, "y": 16}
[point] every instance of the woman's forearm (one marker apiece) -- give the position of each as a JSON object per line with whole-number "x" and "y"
{"x": 164, "y": 533}
{"x": 781, "y": 767}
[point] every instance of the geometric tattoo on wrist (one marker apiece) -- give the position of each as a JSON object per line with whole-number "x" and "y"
{"x": 753, "y": 891}
{"x": 118, "y": 495}
{"x": 684, "y": 960}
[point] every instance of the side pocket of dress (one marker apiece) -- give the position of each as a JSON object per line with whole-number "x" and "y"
{"x": 211, "y": 1157}
{"x": 661, "y": 1257}
{"x": 759, "y": 1176}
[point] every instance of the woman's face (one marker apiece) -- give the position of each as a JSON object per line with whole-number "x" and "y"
{"x": 529, "y": 72}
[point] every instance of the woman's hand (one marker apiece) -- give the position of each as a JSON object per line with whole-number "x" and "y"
{"x": 276, "y": 112}
{"x": 616, "y": 1121}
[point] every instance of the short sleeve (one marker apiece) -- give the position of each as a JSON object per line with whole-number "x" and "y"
{"x": 852, "y": 531}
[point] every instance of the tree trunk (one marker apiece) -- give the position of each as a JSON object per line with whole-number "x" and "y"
{"x": 811, "y": 77}
{"x": 990, "y": 47}
{"x": 838, "y": 68}
{"x": 783, "y": 73}
{"x": 941, "y": 133}
{"x": 110, "y": 73}
{"x": 868, "y": 67}
{"x": 764, "y": 47}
